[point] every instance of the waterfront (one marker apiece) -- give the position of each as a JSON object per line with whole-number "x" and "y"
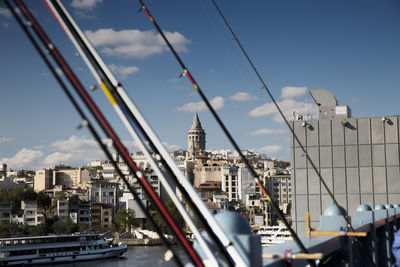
{"x": 135, "y": 256}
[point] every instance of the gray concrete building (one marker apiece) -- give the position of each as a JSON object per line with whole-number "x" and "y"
{"x": 358, "y": 158}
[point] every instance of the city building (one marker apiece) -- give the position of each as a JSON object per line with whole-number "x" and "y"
{"x": 237, "y": 182}
{"x": 129, "y": 202}
{"x": 42, "y": 180}
{"x": 186, "y": 167}
{"x": 5, "y": 213}
{"x": 221, "y": 200}
{"x": 70, "y": 177}
{"x": 84, "y": 212}
{"x": 62, "y": 209}
{"x": 3, "y": 171}
{"x": 280, "y": 188}
{"x": 101, "y": 191}
{"x": 207, "y": 172}
{"x": 358, "y": 158}
{"x": 101, "y": 216}
{"x": 208, "y": 189}
{"x": 31, "y": 216}
{"x": 196, "y": 138}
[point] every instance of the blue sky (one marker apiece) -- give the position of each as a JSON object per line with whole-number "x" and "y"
{"x": 350, "y": 48}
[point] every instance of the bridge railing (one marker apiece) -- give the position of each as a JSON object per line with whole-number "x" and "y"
{"x": 375, "y": 228}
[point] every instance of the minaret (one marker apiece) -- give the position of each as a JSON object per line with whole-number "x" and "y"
{"x": 196, "y": 138}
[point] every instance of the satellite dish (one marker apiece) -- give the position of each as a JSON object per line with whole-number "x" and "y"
{"x": 323, "y": 97}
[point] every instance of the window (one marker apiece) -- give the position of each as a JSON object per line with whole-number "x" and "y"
{"x": 111, "y": 193}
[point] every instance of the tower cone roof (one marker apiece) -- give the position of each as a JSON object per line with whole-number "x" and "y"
{"x": 196, "y": 125}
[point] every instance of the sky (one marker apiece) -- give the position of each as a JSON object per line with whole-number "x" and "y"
{"x": 351, "y": 48}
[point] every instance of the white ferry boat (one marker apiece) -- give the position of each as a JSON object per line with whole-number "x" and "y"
{"x": 56, "y": 249}
{"x": 273, "y": 235}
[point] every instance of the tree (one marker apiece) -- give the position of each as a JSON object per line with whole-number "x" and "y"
{"x": 43, "y": 200}
{"x": 29, "y": 194}
{"x": 65, "y": 227}
{"x": 170, "y": 206}
{"x": 41, "y": 229}
{"x": 125, "y": 220}
{"x": 160, "y": 221}
{"x": 9, "y": 230}
{"x": 60, "y": 196}
{"x": 83, "y": 227}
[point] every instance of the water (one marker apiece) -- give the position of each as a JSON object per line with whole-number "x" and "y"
{"x": 135, "y": 256}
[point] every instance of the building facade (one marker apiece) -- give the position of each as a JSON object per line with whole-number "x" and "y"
{"x": 42, "y": 180}
{"x": 5, "y": 213}
{"x": 196, "y": 138}
{"x": 358, "y": 158}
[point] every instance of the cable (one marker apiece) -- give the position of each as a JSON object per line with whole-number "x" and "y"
{"x": 291, "y": 129}
{"x": 154, "y": 142}
{"x": 228, "y": 135}
{"x": 86, "y": 122}
{"x": 110, "y": 133}
{"x": 64, "y": 19}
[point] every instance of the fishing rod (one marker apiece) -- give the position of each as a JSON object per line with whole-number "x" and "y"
{"x": 227, "y": 133}
{"x": 65, "y": 20}
{"x": 86, "y": 122}
{"x": 183, "y": 184}
{"x": 110, "y": 133}
{"x": 291, "y": 129}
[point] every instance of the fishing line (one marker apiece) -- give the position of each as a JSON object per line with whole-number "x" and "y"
{"x": 239, "y": 65}
{"x": 85, "y": 122}
{"x": 291, "y": 129}
{"x": 60, "y": 14}
{"x": 191, "y": 194}
{"x": 110, "y": 133}
{"x": 228, "y": 135}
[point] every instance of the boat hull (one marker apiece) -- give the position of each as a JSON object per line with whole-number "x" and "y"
{"x": 64, "y": 258}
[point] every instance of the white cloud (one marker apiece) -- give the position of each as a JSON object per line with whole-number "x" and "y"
{"x": 74, "y": 143}
{"x": 5, "y": 139}
{"x": 268, "y": 131}
{"x": 217, "y": 103}
{"x": 74, "y": 151}
{"x": 293, "y": 91}
{"x": 85, "y": 4}
{"x": 243, "y": 97}
{"x": 288, "y": 106}
{"x": 171, "y": 148}
{"x": 57, "y": 158}
{"x": 123, "y": 71}
{"x": 273, "y": 149}
{"x": 25, "y": 159}
{"x": 135, "y": 43}
{"x": 5, "y": 12}
{"x": 130, "y": 145}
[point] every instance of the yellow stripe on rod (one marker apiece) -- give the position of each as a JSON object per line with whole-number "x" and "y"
{"x": 108, "y": 93}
